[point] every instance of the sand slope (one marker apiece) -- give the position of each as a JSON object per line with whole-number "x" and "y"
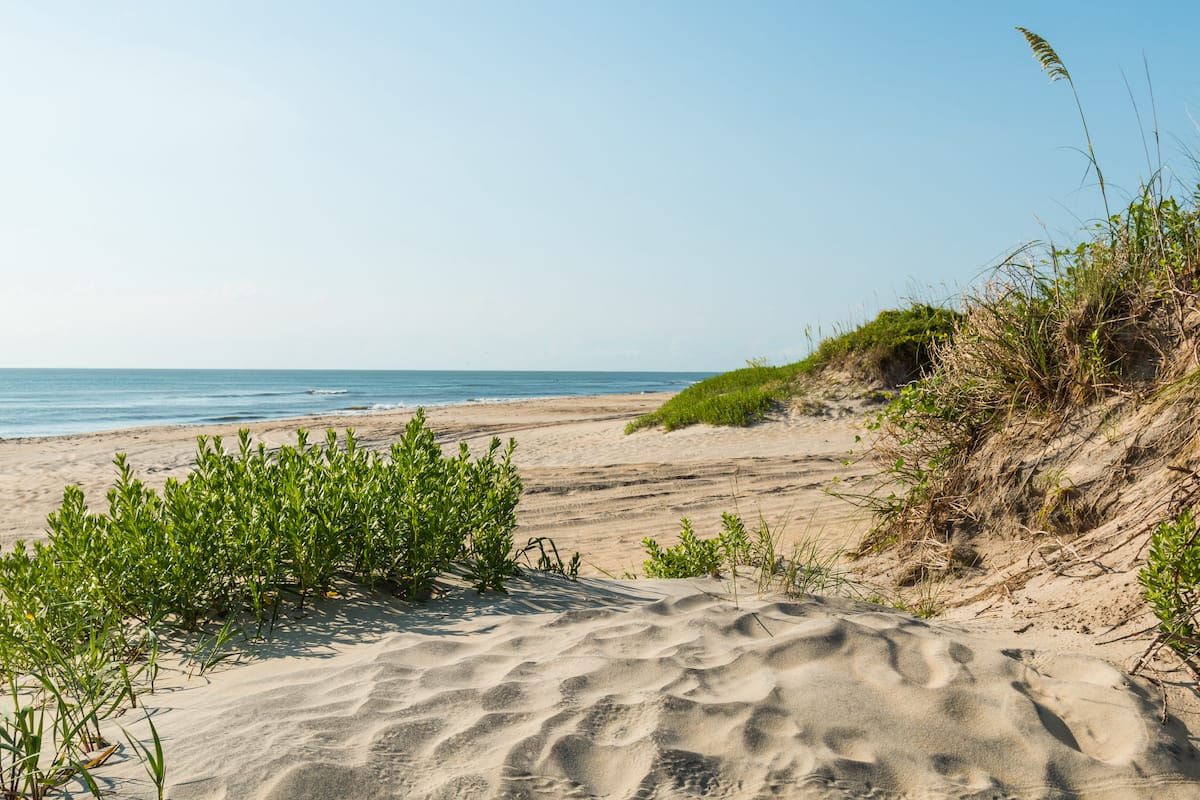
{"x": 659, "y": 689}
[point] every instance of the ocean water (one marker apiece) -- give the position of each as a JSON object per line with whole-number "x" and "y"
{"x": 51, "y": 402}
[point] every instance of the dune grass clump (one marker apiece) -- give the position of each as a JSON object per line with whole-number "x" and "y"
{"x": 736, "y": 398}
{"x": 84, "y": 616}
{"x": 1043, "y": 337}
{"x": 894, "y": 347}
{"x": 1054, "y": 330}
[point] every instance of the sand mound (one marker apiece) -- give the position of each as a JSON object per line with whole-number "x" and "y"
{"x": 658, "y": 689}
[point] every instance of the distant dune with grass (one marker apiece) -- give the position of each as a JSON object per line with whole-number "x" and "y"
{"x": 893, "y": 349}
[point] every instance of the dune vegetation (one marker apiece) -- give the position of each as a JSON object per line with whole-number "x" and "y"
{"x": 86, "y": 616}
{"x": 1071, "y": 383}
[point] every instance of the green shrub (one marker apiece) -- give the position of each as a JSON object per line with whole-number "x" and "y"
{"x": 1171, "y": 580}
{"x": 896, "y": 346}
{"x": 82, "y": 616}
{"x": 243, "y": 526}
{"x": 694, "y": 557}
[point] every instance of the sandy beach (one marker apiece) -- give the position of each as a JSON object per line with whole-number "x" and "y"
{"x": 639, "y": 688}
{"x": 587, "y": 485}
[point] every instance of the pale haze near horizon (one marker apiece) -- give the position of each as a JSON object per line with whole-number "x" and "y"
{"x": 659, "y": 186}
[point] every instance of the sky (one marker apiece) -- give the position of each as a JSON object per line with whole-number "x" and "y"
{"x": 607, "y": 185}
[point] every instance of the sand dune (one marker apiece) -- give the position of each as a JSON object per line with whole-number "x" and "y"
{"x": 660, "y": 689}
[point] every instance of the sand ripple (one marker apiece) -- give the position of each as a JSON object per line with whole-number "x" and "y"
{"x": 627, "y": 693}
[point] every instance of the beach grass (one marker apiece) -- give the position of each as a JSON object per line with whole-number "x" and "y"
{"x": 1053, "y": 330}
{"x": 1053, "y": 333}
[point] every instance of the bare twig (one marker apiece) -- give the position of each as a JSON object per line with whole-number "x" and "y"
{"x": 1155, "y": 644}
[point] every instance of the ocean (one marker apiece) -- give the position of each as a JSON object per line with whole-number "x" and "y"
{"x": 52, "y": 402}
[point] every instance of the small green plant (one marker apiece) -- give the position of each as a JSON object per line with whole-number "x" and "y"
{"x": 925, "y": 606}
{"x": 548, "y": 560}
{"x": 764, "y": 548}
{"x": 26, "y": 773}
{"x": 1058, "y": 512}
{"x": 153, "y": 760}
{"x": 694, "y": 557}
{"x": 813, "y": 569}
{"x": 928, "y": 602}
{"x": 1171, "y": 580}
{"x": 212, "y": 649}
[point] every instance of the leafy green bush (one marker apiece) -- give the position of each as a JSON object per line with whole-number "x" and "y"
{"x": 1171, "y": 580}
{"x": 244, "y": 526}
{"x": 82, "y": 616}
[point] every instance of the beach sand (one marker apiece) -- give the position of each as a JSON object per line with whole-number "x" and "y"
{"x": 638, "y": 688}
{"x": 587, "y": 485}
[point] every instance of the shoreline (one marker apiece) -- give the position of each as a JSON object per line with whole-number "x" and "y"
{"x": 40, "y": 403}
{"x": 347, "y": 413}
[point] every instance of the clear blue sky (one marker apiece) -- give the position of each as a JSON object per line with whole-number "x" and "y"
{"x": 558, "y": 185}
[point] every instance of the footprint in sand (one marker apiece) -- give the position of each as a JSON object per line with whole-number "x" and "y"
{"x": 1081, "y": 703}
{"x": 935, "y": 663}
{"x": 606, "y": 771}
{"x": 964, "y": 775}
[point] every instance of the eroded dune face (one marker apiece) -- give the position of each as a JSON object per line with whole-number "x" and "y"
{"x": 664, "y": 690}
